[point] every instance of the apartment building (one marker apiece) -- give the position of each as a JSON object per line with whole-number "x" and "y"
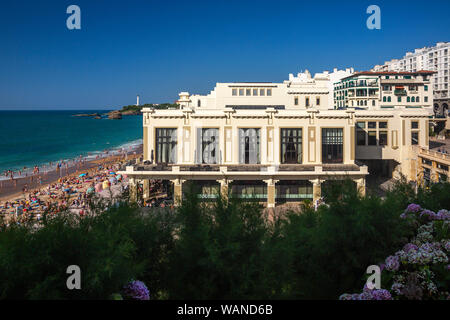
{"x": 273, "y": 142}
{"x": 435, "y": 58}
{"x": 385, "y": 90}
{"x": 433, "y": 166}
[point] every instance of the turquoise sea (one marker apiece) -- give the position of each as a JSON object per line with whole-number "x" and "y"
{"x": 29, "y": 138}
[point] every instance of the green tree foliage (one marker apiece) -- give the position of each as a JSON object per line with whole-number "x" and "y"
{"x": 227, "y": 249}
{"x": 109, "y": 248}
{"x": 149, "y": 105}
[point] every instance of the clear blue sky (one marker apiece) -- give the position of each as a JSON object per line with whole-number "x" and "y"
{"x": 159, "y": 48}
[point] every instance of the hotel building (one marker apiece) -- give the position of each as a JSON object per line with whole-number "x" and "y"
{"x": 274, "y": 142}
{"x": 385, "y": 90}
{"x": 434, "y": 58}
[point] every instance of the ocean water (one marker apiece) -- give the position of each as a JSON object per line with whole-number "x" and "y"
{"x": 29, "y": 138}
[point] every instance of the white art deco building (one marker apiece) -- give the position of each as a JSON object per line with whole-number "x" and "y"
{"x": 275, "y": 142}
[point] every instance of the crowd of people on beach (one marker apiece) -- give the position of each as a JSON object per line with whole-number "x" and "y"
{"x": 68, "y": 193}
{"x": 74, "y": 193}
{"x": 60, "y": 166}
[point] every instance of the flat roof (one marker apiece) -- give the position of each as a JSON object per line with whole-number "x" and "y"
{"x": 378, "y": 73}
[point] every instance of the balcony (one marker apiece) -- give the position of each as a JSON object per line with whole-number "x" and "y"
{"x": 241, "y": 171}
{"x": 399, "y": 81}
{"x": 400, "y": 92}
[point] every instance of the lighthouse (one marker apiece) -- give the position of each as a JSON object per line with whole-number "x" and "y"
{"x": 137, "y": 100}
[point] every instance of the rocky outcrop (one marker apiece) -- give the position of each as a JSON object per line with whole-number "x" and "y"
{"x": 131, "y": 113}
{"x": 116, "y": 115}
{"x": 87, "y": 115}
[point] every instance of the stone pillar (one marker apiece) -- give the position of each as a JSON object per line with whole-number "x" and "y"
{"x": 224, "y": 187}
{"x": 317, "y": 189}
{"x": 132, "y": 187}
{"x": 361, "y": 186}
{"x": 270, "y": 192}
{"x": 146, "y": 189}
{"x": 177, "y": 191}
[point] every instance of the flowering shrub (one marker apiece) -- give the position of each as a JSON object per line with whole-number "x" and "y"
{"x": 136, "y": 290}
{"x": 421, "y": 269}
{"x": 368, "y": 294}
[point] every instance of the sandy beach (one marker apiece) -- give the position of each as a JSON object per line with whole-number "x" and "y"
{"x": 67, "y": 188}
{"x": 13, "y": 189}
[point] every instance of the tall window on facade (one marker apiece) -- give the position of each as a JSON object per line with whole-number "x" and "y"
{"x": 296, "y": 101}
{"x": 307, "y": 102}
{"x": 208, "y": 146}
{"x": 415, "y": 138}
{"x": 166, "y": 145}
{"x": 249, "y": 145}
{"x": 360, "y": 138}
{"x": 360, "y": 133}
{"x": 332, "y": 145}
{"x": 382, "y": 138}
{"x": 318, "y": 101}
{"x": 372, "y": 138}
{"x": 291, "y": 145}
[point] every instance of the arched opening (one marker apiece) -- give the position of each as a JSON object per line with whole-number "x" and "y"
{"x": 436, "y": 109}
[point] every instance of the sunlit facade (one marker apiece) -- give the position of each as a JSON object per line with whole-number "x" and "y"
{"x": 274, "y": 142}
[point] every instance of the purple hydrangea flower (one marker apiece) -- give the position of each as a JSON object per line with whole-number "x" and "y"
{"x": 429, "y": 214}
{"x": 375, "y": 294}
{"x": 381, "y": 294}
{"x": 392, "y": 263}
{"x": 345, "y": 296}
{"x": 136, "y": 290}
{"x": 410, "y": 246}
{"x": 442, "y": 215}
{"x": 446, "y": 245}
{"x": 414, "y": 208}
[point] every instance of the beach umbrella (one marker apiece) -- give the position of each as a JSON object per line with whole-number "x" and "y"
{"x": 105, "y": 184}
{"x": 112, "y": 172}
{"x": 119, "y": 177}
{"x": 67, "y": 190}
{"x": 112, "y": 179}
{"x": 90, "y": 190}
{"x": 98, "y": 187}
{"x": 82, "y": 175}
